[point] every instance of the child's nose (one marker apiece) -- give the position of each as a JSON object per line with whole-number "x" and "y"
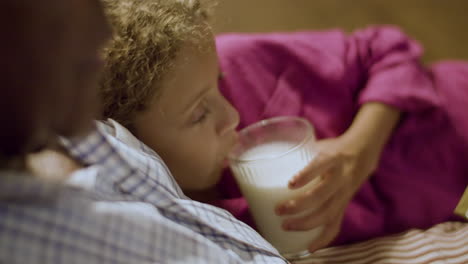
{"x": 230, "y": 120}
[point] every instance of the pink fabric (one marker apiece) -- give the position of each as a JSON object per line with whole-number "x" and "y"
{"x": 325, "y": 77}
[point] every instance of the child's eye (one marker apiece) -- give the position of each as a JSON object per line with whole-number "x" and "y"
{"x": 201, "y": 118}
{"x": 200, "y": 115}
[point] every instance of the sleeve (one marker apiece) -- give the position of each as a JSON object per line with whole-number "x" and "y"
{"x": 102, "y": 232}
{"x": 323, "y": 76}
{"x": 392, "y": 72}
{"x": 250, "y": 68}
{"x": 451, "y": 80}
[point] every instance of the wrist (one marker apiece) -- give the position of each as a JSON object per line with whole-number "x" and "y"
{"x": 372, "y": 126}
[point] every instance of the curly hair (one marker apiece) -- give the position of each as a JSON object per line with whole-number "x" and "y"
{"x": 148, "y": 34}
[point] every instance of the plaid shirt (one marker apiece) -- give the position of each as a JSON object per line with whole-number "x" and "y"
{"x": 124, "y": 207}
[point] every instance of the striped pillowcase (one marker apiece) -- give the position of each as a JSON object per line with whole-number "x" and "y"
{"x": 443, "y": 243}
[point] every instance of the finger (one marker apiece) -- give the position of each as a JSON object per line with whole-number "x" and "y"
{"x": 328, "y": 211}
{"x": 316, "y": 196}
{"x": 328, "y": 234}
{"x": 321, "y": 163}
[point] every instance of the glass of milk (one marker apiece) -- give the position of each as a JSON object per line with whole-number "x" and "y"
{"x": 268, "y": 155}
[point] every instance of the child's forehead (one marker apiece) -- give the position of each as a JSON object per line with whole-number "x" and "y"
{"x": 192, "y": 73}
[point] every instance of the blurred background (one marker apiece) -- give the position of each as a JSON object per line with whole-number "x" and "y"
{"x": 440, "y": 25}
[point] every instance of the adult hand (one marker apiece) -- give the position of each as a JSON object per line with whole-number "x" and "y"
{"x": 341, "y": 166}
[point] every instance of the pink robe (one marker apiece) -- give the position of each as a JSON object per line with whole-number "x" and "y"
{"x": 325, "y": 77}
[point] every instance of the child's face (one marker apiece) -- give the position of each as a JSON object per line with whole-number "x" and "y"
{"x": 190, "y": 124}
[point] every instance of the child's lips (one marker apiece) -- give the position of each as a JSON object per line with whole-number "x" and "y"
{"x": 226, "y": 163}
{"x": 235, "y": 139}
{"x": 233, "y": 142}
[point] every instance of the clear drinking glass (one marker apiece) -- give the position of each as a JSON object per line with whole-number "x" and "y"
{"x": 268, "y": 154}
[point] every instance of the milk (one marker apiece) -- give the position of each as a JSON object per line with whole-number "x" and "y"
{"x": 264, "y": 184}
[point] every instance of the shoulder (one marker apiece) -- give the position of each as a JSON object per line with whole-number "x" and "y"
{"x": 72, "y": 225}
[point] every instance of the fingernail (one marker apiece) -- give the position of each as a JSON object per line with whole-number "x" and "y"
{"x": 285, "y": 207}
{"x": 312, "y": 249}
{"x": 279, "y": 210}
{"x": 294, "y": 180}
{"x": 292, "y": 184}
{"x": 290, "y": 204}
{"x": 288, "y": 226}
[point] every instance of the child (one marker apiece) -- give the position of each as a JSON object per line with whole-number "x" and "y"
{"x": 161, "y": 82}
{"x": 142, "y": 88}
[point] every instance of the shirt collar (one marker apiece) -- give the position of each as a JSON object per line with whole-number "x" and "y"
{"x": 126, "y": 164}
